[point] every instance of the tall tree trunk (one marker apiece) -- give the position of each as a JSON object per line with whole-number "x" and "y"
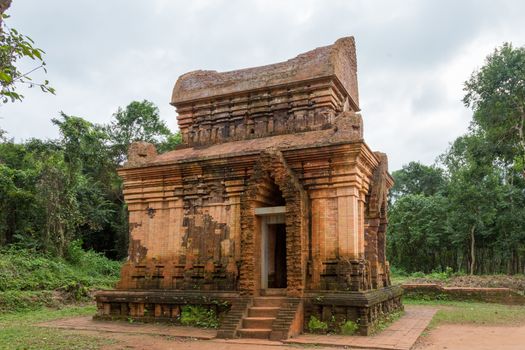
{"x": 521, "y": 137}
{"x": 472, "y": 251}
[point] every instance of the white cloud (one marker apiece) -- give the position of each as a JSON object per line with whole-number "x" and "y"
{"x": 413, "y": 57}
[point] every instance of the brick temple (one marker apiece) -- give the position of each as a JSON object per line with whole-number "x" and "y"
{"x": 273, "y": 205}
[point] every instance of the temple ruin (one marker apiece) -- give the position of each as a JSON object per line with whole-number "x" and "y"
{"x": 273, "y": 209}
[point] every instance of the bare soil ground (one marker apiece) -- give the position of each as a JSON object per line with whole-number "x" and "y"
{"x": 451, "y": 337}
{"x": 400, "y": 335}
{"x": 126, "y": 341}
{"x": 469, "y": 337}
{"x": 508, "y": 334}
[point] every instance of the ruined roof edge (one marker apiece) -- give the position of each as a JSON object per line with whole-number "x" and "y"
{"x": 338, "y": 59}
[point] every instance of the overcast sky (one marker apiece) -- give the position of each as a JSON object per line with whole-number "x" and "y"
{"x": 413, "y": 57}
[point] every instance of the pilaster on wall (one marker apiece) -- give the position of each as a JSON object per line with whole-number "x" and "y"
{"x": 272, "y": 167}
{"x": 376, "y": 223}
{"x": 337, "y": 185}
{"x": 338, "y": 203}
{"x": 234, "y": 190}
{"x": 348, "y": 223}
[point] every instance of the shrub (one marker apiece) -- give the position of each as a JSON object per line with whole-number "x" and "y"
{"x": 317, "y": 326}
{"x": 75, "y": 252}
{"x": 349, "y": 327}
{"x": 15, "y": 300}
{"x": 397, "y": 271}
{"x": 418, "y": 274}
{"x": 23, "y": 272}
{"x": 199, "y": 316}
{"x": 77, "y": 291}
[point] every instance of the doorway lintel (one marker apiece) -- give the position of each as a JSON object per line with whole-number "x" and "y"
{"x": 264, "y": 211}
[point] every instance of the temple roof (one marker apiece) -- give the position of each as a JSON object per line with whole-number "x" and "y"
{"x": 336, "y": 60}
{"x": 347, "y": 129}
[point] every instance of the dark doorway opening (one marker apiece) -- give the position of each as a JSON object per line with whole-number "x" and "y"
{"x": 277, "y": 256}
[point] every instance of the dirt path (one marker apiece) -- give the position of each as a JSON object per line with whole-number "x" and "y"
{"x": 445, "y": 337}
{"x": 401, "y": 335}
{"x": 450, "y": 337}
{"x": 470, "y": 337}
{"x": 134, "y": 336}
{"x": 126, "y": 341}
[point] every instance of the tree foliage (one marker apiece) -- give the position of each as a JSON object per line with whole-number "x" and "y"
{"x": 496, "y": 93}
{"x": 468, "y": 213}
{"x": 474, "y": 223}
{"x": 417, "y": 178}
{"x": 55, "y": 192}
{"x": 139, "y": 121}
{"x": 16, "y": 47}
{"x": 418, "y": 237}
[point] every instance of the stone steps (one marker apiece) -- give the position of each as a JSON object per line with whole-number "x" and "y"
{"x": 266, "y": 317}
{"x": 281, "y": 328}
{"x": 273, "y": 292}
{"x": 257, "y": 322}
{"x": 254, "y": 333}
{"x": 233, "y": 319}
{"x": 261, "y": 316}
{"x": 268, "y": 301}
{"x": 263, "y": 311}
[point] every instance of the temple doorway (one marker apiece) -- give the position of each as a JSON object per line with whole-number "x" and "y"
{"x": 273, "y": 247}
{"x": 276, "y": 256}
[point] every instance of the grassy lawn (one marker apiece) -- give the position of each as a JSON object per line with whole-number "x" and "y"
{"x": 460, "y": 312}
{"x": 35, "y": 287}
{"x": 18, "y": 330}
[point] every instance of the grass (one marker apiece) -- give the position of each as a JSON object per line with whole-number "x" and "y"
{"x": 18, "y": 330}
{"x": 30, "y": 280}
{"x": 459, "y": 312}
{"x": 31, "y": 283}
{"x": 399, "y": 276}
{"x": 46, "y": 339}
{"x": 27, "y": 317}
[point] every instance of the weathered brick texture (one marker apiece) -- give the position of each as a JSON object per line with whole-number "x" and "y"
{"x": 285, "y": 135}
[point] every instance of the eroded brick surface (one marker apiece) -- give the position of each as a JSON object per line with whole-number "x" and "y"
{"x": 285, "y": 135}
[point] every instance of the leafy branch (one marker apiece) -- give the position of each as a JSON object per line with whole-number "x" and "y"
{"x": 15, "y": 47}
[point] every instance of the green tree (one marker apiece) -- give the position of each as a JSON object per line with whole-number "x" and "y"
{"x": 84, "y": 146}
{"x": 468, "y": 212}
{"x": 56, "y": 194}
{"x": 98, "y": 189}
{"x": 418, "y": 233}
{"x": 139, "y": 121}
{"x": 509, "y": 246}
{"x": 473, "y": 192}
{"x": 496, "y": 93}
{"x": 171, "y": 142}
{"x": 19, "y": 215}
{"x": 417, "y": 178}
{"x": 15, "y": 47}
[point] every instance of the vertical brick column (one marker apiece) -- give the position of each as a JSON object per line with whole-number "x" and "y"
{"x": 348, "y": 222}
